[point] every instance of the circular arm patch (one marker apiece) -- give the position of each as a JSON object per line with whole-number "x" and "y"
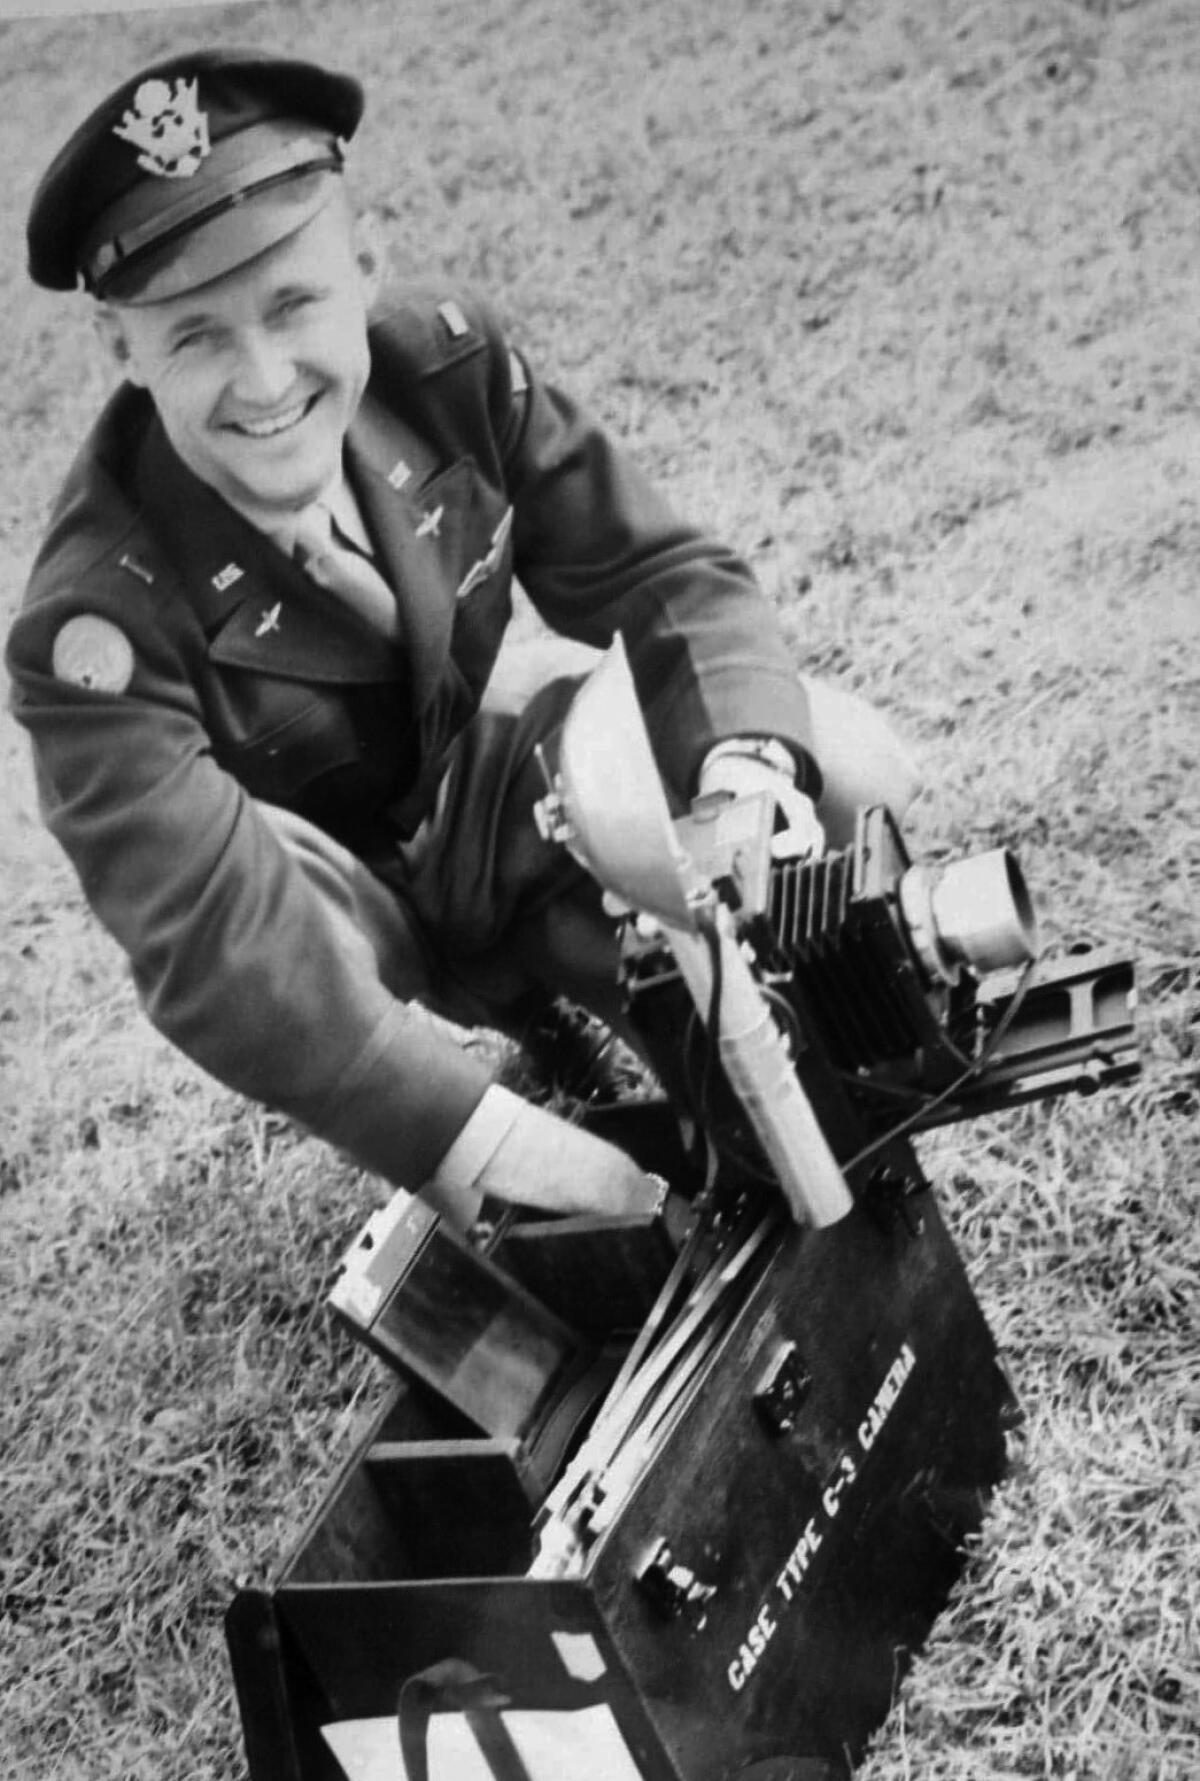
{"x": 92, "y": 652}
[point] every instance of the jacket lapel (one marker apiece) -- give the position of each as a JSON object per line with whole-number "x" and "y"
{"x": 437, "y": 531}
{"x": 394, "y": 474}
{"x": 433, "y": 529}
{"x": 259, "y": 611}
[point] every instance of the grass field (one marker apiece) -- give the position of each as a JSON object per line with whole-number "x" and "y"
{"x": 903, "y": 298}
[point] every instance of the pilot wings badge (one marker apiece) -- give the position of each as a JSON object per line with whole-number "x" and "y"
{"x": 169, "y": 128}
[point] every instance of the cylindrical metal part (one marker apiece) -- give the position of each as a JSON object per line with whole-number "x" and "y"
{"x": 916, "y": 906}
{"x": 983, "y": 914}
{"x": 755, "y": 1059}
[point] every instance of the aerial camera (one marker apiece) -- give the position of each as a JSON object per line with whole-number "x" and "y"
{"x": 692, "y": 1486}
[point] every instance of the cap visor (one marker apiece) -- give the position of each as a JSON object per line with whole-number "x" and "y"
{"x": 230, "y": 239}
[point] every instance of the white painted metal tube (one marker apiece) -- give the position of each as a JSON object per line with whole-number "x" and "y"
{"x": 756, "y": 1061}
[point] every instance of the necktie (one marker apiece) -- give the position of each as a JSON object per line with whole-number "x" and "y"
{"x": 344, "y": 571}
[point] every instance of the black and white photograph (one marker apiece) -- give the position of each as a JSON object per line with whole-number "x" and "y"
{"x": 600, "y": 988}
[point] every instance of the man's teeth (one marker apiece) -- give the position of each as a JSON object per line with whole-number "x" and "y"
{"x": 278, "y": 423}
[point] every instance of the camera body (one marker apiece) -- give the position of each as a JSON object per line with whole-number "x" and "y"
{"x": 910, "y": 995}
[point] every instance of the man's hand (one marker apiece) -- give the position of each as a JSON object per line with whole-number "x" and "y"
{"x": 521, "y": 1154}
{"x": 748, "y": 765}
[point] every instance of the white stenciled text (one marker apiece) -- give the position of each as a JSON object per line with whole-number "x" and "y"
{"x": 837, "y": 1489}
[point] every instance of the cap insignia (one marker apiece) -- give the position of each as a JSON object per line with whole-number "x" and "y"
{"x": 169, "y": 128}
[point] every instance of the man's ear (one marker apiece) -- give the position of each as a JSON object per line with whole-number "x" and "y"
{"x": 371, "y": 255}
{"x": 110, "y": 331}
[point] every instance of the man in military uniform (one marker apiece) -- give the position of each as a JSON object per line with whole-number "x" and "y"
{"x": 256, "y": 657}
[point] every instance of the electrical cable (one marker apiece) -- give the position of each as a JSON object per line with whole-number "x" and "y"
{"x": 973, "y": 1069}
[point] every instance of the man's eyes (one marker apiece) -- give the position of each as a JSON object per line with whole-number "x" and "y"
{"x": 295, "y": 302}
{"x": 193, "y": 338}
{"x": 205, "y": 337}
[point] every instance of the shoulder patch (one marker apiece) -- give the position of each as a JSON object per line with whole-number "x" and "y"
{"x": 93, "y": 652}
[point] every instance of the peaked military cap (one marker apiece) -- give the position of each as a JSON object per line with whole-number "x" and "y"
{"x": 188, "y": 169}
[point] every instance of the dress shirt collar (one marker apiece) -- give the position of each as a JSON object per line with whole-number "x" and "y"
{"x": 338, "y": 499}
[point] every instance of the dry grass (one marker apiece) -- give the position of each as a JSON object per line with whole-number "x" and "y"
{"x": 903, "y": 298}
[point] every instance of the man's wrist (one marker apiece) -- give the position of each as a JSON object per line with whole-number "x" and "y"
{"x": 749, "y": 766}
{"x": 479, "y": 1140}
{"x": 768, "y": 750}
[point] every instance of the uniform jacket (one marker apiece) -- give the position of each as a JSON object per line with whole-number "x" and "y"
{"x": 468, "y": 471}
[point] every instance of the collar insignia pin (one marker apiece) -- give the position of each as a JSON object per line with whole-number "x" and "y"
{"x": 169, "y": 128}
{"x": 269, "y": 620}
{"x": 399, "y": 474}
{"x": 135, "y": 566}
{"x": 431, "y": 523}
{"x": 228, "y": 575}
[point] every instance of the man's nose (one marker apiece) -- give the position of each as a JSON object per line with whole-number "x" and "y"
{"x": 264, "y": 370}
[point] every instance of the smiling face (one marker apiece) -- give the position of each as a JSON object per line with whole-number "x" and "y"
{"x": 257, "y": 376}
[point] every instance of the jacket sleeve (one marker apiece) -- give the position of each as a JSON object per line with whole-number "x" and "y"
{"x": 599, "y": 550}
{"x": 236, "y": 957}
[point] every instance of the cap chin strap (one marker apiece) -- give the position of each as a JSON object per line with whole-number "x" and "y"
{"x": 125, "y": 235}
